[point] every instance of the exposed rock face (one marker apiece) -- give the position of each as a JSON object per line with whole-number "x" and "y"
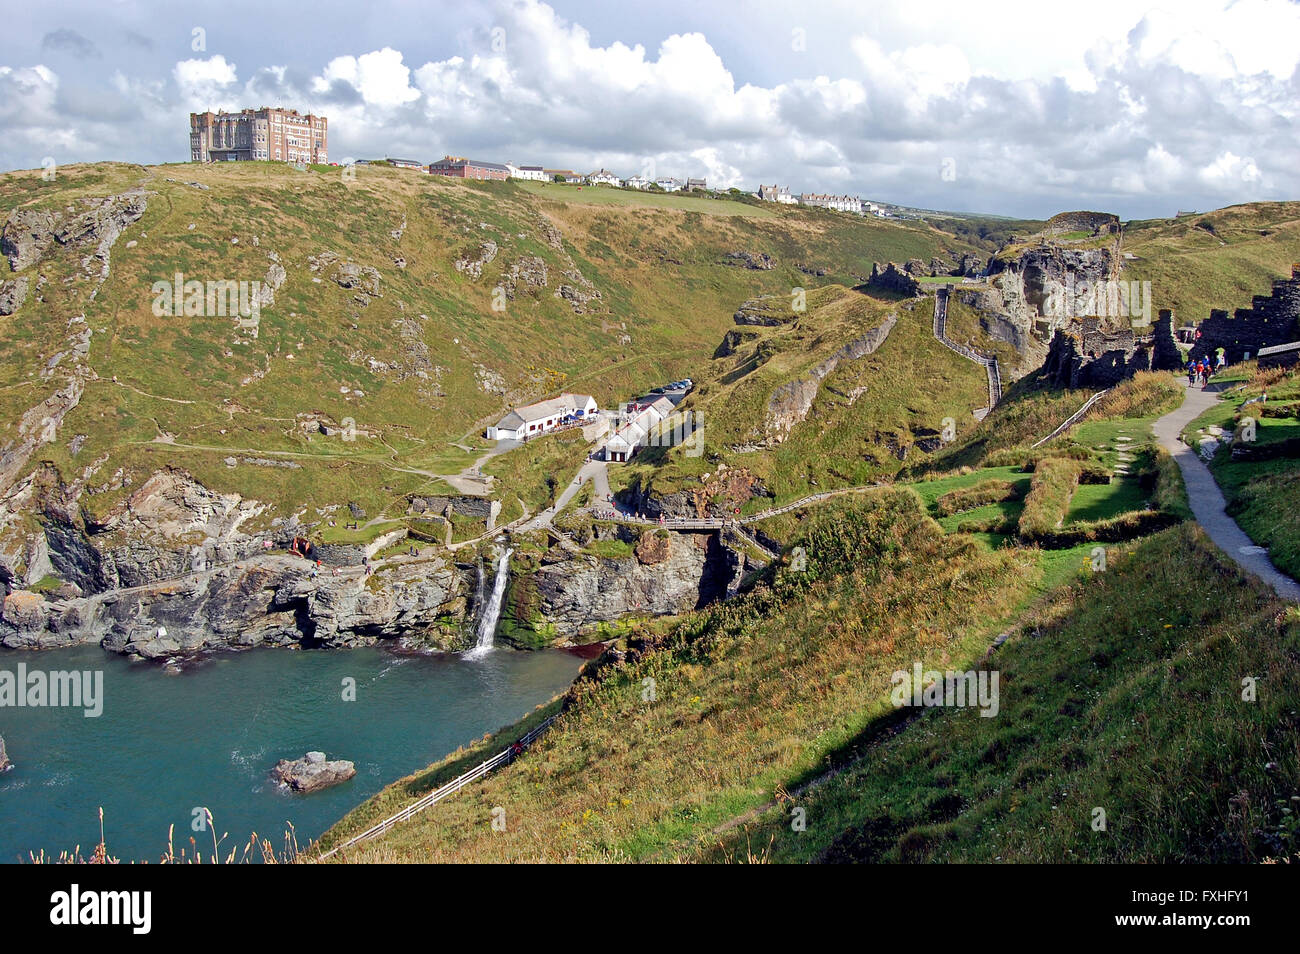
{"x": 5, "y": 764}
{"x": 769, "y": 311}
{"x": 471, "y": 264}
{"x": 29, "y": 233}
{"x": 363, "y": 279}
{"x": 893, "y": 278}
{"x": 578, "y": 291}
{"x": 1094, "y": 223}
{"x": 760, "y": 262}
{"x": 717, "y": 495}
{"x": 12, "y": 294}
{"x": 311, "y": 773}
{"x": 275, "y": 276}
{"x": 1027, "y": 281}
{"x": 732, "y": 341}
{"x": 568, "y": 598}
{"x": 273, "y": 601}
{"x": 791, "y": 402}
{"x": 526, "y": 273}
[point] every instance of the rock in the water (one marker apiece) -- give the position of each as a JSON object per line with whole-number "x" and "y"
{"x": 312, "y": 772}
{"x": 5, "y": 764}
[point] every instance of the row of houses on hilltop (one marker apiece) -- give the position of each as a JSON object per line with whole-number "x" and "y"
{"x": 816, "y": 200}
{"x": 463, "y": 168}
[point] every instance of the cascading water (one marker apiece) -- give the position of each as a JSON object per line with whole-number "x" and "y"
{"x": 487, "y": 624}
{"x": 481, "y": 590}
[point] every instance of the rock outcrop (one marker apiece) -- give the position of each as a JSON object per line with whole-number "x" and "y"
{"x": 472, "y": 264}
{"x": 12, "y": 294}
{"x": 311, "y": 773}
{"x": 30, "y": 233}
{"x": 271, "y": 601}
{"x": 790, "y": 403}
{"x": 5, "y": 764}
{"x": 567, "y": 599}
{"x": 761, "y": 262}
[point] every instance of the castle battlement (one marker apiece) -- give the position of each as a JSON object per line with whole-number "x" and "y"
{"x": 1270, "y": 320}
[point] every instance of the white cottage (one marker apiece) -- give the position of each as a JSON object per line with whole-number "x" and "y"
{"x": 533, "y": 420}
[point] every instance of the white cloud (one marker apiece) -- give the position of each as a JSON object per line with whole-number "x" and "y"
{"x": 1140, "y": 110}
{"x": 380, "y": 77}
{"x": 207, "y": 84}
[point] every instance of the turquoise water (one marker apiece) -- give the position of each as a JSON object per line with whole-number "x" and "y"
{"x": 169, "y": 743}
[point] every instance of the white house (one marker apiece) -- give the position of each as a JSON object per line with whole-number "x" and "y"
{"x": 638, "y": 182}
{"x": 775, "y": 193}
{"x": 636, "y": 428}
{"x": 533, "y": 420}
{"x": 668, "y": 184}
{"x": 602, "y": 177}
{"x": 535, "y": 173}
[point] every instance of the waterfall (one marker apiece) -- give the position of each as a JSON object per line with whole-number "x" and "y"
{"x": 480, "y": 590}
{"x": 487, "y": 624}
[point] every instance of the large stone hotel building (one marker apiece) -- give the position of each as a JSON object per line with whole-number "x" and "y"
{"x": 275, "y": 135}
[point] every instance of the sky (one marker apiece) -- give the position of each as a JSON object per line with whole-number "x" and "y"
{"x": 1015, "y": 107}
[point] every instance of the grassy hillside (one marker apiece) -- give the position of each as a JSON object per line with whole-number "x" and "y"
{"x": 422, "y": 365}
{"x": 753, "y": 698}
{"x": 746, "y": 696}
{"x": 868, "y": 416}
{"x": 1124, "y": 693}
{"x": 1215, "y": 260}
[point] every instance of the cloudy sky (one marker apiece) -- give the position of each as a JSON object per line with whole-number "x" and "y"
{"x": 1021, "y": 107}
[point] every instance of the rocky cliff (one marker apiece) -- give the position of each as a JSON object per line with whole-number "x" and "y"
{"x": 566, "y": 597}
{"x": 1015, "y": 306}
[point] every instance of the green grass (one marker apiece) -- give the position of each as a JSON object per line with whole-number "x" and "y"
{"x": 428, "y": 362}
{"x": 1123, "y": 693}
{"x": 1104, "y": 501}
{"x": 607, "y": 195}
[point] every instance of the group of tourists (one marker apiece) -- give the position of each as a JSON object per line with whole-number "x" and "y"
{"x": 1199, "y": 370}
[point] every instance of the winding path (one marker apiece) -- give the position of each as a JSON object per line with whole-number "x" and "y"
{"x": 1207, "y": 501}
{"x": 989, "y": 362}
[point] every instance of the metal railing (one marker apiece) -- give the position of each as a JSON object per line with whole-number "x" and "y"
{"x": 1073, "y": 418}
{"x": 438, "y": 794}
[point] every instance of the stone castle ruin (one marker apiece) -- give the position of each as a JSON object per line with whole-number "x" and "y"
{"x": 1271, "y": 320}
{"x": 1088, "y": 354}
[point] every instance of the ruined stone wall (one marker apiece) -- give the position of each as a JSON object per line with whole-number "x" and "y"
{"x": 1271, "y": 320}
{"x": 1087, "y": 355}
